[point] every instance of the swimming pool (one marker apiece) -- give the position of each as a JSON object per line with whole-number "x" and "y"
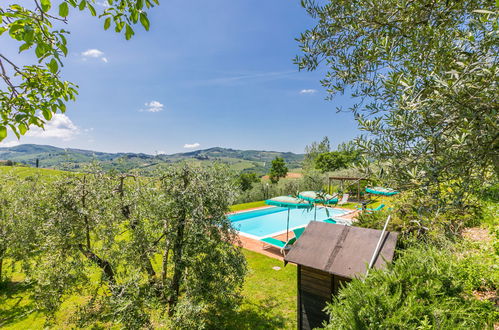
{"x": 272, "y": 220}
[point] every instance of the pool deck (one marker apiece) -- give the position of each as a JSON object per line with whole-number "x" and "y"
{"x": 270, "y": 251}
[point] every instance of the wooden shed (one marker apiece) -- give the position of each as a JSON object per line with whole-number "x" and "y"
{"x": 328, "y": 255}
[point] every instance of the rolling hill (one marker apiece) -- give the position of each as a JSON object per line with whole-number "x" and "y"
{"x": 76, "y": 159}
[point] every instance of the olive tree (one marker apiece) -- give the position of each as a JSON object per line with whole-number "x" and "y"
{"x": 18, "y": 220}
{"x": 131, "y": 246}
{"x": 425, "y": 75}
{"x": 31, "y": 94}
{"x": 202, "y": 269}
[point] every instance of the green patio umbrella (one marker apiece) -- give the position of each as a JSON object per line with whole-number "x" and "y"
{"x": 290, "y": 203}
{"x": 318, "y": 197}
{"x": 382, "y": 191}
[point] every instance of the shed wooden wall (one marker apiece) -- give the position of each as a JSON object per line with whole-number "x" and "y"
{"x": 315, "y": 290}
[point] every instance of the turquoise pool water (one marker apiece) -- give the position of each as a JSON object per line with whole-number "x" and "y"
{"x": 271, "y": 221}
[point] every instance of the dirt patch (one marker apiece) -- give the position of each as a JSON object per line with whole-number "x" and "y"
{"x": 487, "y": 295}
{"x": 477, "y": 234}
{"x": 291, "y": 175}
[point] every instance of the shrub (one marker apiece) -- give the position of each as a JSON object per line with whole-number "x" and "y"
{"x": 424, "y": 288}
{"x": 420, "y": 217}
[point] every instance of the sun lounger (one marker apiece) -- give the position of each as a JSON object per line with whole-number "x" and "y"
{"x": 282, "y": 245}
{"x": 344, "y": 199}
{"x": 298, "y": 232}
{"x": 379, "y": 208}
{"x": 339, "y": 221}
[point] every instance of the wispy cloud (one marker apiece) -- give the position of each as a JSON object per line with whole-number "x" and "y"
{"x": 246, "y": 77}
{"x": 60, "y": 127}
{"x": 103, "y": 4}
{"x": 153, "y": 106}
{"x": 94, "y": 53}
{"x": 7, "y": 144}
{"x": 308, "y": 91}
{"x": 191, "y": 146}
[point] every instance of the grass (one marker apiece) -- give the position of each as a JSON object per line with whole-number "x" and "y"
{"x": 245, "y": 206}
{"x": 269, "y": 295}
{"x": 31, "y": 171}
{"x": 269, "y": 300}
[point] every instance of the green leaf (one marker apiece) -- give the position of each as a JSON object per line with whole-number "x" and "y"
{"x": 64, "y": 49}
{"x": 63, "y": 9}
{"x": 47, "y": 114}
{"x": 119, "y": 26}
{"x": 92, "y": 9}
{"x": 29, "y": 34}
{"x": 134, "y": 16}
{"x": 53, "y": 66}
{"x": 22, "y": 128}
{"x": 62, "y": 106}
{"x": 3, "y": 132}
{"x": 14, "y": 28}
{"x": 128, "y": 32}
{"x": 144, "y": 21}
{"x": 24, "y": 46}
{"x": 40, "y": 50}
{"x": 45, "y": 5}
{"x": 82, "y": 5}
{"x": 107, "y": 23}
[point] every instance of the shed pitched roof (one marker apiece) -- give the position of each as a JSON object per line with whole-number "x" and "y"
{"x": 340, "y": 250}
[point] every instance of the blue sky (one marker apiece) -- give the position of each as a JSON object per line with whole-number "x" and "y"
{"x": 208, "y": 73}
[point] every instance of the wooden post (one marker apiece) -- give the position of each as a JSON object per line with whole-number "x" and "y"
{"x": 298, "y": 301}
{"x": 358, "y": 190}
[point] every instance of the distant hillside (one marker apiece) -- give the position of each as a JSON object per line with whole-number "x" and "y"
{"x": 76, "y": 159}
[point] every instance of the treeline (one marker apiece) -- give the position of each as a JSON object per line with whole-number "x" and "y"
{"x": 132, "y": 246}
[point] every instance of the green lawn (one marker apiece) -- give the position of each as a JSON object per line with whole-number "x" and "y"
{"x": 24, "y": 172}
{"x": 269, "y": 295}
{"x": 245, "y": 206}
{"x": 269, "y": 300}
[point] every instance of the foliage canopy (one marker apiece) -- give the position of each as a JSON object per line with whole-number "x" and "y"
{"x": 130, "y": 244}
{"x": 278, "y": 170}
{"x": 425, "y": 288}
{"x": 425, "y": 74}
{"x": 32, "y": 94}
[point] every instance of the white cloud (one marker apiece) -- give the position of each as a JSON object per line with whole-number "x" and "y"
{"x": 94, "y": 53}
{"x": 7, "y": 144}
{"x": 160, "y": 152}
{"x": 60, "y": 127}
{"x": 103, "y": 4}
{"x": 191, "y": 146}
{"x": 308, "y": 91}
{"x": 153, "y": 106}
